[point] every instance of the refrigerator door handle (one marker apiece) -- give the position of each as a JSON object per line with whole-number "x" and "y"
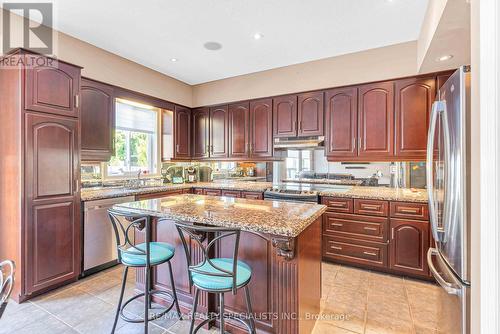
{"x": 436, "y": 231}
{"x": 448, "y": 287}
{"x": 449, "y": 198}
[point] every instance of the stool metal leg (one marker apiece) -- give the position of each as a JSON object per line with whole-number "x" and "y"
{"x": 249, "y": 309}
{"x": 174, "y": 292}
{"x": 146, "y": 300}
{"x": 193, "y": 314}
{"x": 124, "y": 282}
{"x": 221, "y": 312}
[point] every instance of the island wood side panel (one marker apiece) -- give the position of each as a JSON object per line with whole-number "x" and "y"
{"x": 282, "y": 289}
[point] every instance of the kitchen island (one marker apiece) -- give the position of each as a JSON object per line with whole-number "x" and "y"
{"x": 281, "y": 241}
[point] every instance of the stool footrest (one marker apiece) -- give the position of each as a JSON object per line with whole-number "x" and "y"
{"x": 156, "y": 315}
{"x": 218, "y": 316}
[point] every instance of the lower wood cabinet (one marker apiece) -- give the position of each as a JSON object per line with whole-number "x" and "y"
{"x": 212, "y": 192}
{"x": 408, "y": 246}
{"x": 159, "y": 194}
{"x": 231, "y": 193}
{"x": 252, "y": 195}
{"x": 389, "y": 235}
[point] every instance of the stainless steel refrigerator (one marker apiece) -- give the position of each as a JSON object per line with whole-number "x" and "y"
{"x": 448, "y": 186}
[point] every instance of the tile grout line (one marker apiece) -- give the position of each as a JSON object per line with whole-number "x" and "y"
{"x": 409, "y": 306}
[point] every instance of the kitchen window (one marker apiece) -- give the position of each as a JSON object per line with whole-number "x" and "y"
{"x": 298, "y": 161}
{"x": 136, "y": 140}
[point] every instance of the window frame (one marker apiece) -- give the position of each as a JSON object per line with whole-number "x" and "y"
{"x": 158, "y": 111}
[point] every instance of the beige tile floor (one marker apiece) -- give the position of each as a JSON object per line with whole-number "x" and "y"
{"x": 354, "y": 301}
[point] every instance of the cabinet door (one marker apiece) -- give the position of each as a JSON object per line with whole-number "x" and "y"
{"x": 52, "y": 201}
{"x": 408, "y": 246}
{"x": 97, "y": 120}
{"x": 239, "y": 130}
{"x": 200, "y": 132}
{"x": 341, "y": 122}
{"x": 376, "y": 120}
{"x": 261, "y": 123}
{"x": 414, "y": 98}
{"x": 310, "y": 114}
{"x": 285, "y": 116}
{"x": 53, "y": 89}
{"x": 182, "y": 128}
{"x": 219, "y": 138}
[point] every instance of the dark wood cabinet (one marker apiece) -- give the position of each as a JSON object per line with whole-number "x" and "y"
{"x": 239, "y": 130}
{"x": 285, "y": 116}
{"x": 371, "y": 207}
{"x": 354, "y": 251}
{"x": 376, "y": 120}
{"x": 52, "y": 201}
{"x": 231, "y": 193}
{"x": 310, "y": 113}
{"x": 219, "y": 132}
{"x": 441, "y": 79}
{"x": 341, "y": 118}
{"x": 201, "y": 131}
{"x": 261, "y": 128}
{"x": 97, "y": 120}
{"x": 413, "y": 102}
{"x": 52, "y": 89}
{"x": 182, "y": 133}
{"x": 408, "y": 246}
{"x": 252, "y": 195}
{"x": 212, "y": 192}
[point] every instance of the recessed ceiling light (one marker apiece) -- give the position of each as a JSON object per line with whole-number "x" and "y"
{"x": 444, "y": 58}
{"x": 212, "y": 46}
{"x": 173, "y": 60}
{"x": 258, "y": 36}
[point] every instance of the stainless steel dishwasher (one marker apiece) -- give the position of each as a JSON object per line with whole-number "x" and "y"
{"x": 99, "y": 243}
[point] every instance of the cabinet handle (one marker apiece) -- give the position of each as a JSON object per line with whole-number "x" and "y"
{"x": 370, "y": 228}
{"x": 77, "y": 101}
{"x": 336, "y": 247}
{"x": 337, "y": 224}
{"x": 392, "y": 233}
{"x": 354, "y": 142}
{"x": 300, "y": 125}
{"x": 336, "y": 204}
{"x": 370, "y": 253}
{"x": 409, "y": 210}
{"x": 370, "y": 207}
{"x": 359, "y": 142}
{"x": 177, "y": 148}
{"x": 77, "y": 186}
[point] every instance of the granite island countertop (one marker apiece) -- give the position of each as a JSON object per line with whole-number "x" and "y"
{"x": 273, "y": 217}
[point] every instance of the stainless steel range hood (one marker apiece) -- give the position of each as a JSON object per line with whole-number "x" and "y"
{"x": 307, "y": 142}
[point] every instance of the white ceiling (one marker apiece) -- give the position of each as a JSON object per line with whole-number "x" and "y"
{"x": 151, "y": 32}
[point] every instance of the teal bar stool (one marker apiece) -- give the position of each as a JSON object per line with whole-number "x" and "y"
{"x": 144, "y": 255}
{"x": 7, "y": 270}
{"x": 216, "y": 275}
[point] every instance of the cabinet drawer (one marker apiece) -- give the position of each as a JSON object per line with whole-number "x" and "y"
{"x": 418, "y": 211}
{"x": 198, "y": 191}
{"x": 371, "y": 207}
{"x": 251, "y": 195}
{"x": 212, "y": 192}
{"x": 355, "y": 226}
{"x": 338, "y": 204}
{"x": 187, "y": 191}
{"x": 158, "y": 195}
{"x": 231, "y": 193}
{"x": 355, "y": 251}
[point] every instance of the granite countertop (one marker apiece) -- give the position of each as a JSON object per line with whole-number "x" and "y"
{"x": 325, "y": 181}
{"x": 88, "y": 194}
{"x": 273, "y": 217}
{"x": 381, "y": 193}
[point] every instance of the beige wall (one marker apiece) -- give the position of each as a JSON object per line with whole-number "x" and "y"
{"x": 375, "y": 64}
{"x": 104, "y": 66}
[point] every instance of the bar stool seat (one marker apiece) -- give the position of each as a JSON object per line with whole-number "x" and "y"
{"x": 159, "y": 252}
{"x": 205, "y": 281}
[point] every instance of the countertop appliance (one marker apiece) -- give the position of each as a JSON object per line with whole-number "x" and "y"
{"x": 299, "y": 192}
{"x": 205, "y": 173}
{"x": 99, "y": 244}
{"x": 191, "y": 174}
{"x": 448, "y": 186}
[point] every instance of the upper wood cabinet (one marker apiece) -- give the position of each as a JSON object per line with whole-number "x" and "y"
{"x": 182, "y": 132}
{"x": 413, "y": 102}
{"x": 285, "y": 116}
{"x": 341, "y": 118}
{"x": 261, "y": 128}
{"x": 52, "y": 227}
{"x": 53, "y": 90}
{"x": 200, "y": 128}
{"x": 376, "y": 120}
{"x": 310, "y": 114}
{"x": 97, "y": 120}
{"x": 239, "y": 130}
{"x": 219, "y": 138}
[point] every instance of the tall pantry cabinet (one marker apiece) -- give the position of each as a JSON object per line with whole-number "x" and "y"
{"x": 40, "y": 164}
